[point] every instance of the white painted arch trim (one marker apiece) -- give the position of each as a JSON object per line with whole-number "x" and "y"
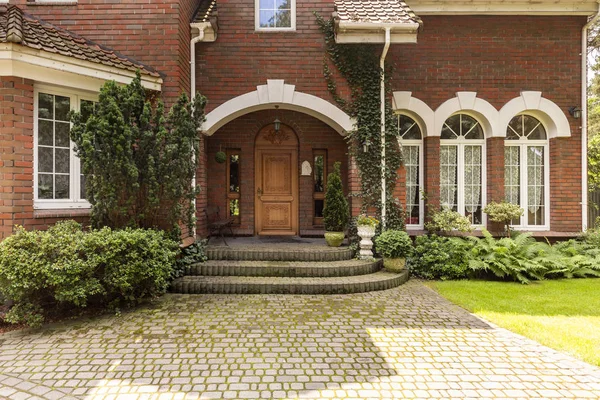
{"x": 405, "y": 103}
{"x": 532, "y": 103}
{"x": 277, "y": 92}
{"x": 468, "y": 103}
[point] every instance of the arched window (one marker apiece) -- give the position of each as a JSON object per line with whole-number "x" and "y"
{"x": 411, "y": 142}
{"x": 462, "y": 170}
{"x": 526, "y": 170}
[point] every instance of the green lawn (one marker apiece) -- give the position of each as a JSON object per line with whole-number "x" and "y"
{"x": 563, "y": 314}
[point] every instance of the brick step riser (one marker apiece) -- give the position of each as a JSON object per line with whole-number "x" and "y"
{"x": 283, "y": 271}
{"x": 187, "y": 287}
{"x": 279, "y": 255}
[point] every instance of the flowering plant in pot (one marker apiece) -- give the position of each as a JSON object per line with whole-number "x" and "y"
{"x": 366, "y": 230}
{"x": 335, "y": 213}
{"x": 395, "y": 247}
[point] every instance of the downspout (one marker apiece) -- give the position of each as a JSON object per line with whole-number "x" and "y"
{"x": 193, "y": 42}
{"x": 386, "y": 47}
{"x": 584, "y": 122}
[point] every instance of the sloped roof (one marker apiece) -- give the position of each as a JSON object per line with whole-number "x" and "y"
{"x": 375, "y": 11}
{"x": 206, "y": 10}
{"x": 23, "y": 29}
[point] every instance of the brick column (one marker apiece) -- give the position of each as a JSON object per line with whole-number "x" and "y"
{"x": 565, "y": 183}
{"x": 495, "y": 177}
{"x": 16, "y": 153}
{"x": 400, "y": 189}
{"x": 202, "y": 198}
{"x": 432, "y": 174}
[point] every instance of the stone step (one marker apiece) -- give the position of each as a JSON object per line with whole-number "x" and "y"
{"x": 278, "y": 253}
{"x": 381, "y": 280}
{"x": 284, "y": 268}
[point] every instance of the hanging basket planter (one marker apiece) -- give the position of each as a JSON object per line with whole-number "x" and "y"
{"x": 220, "y": 157}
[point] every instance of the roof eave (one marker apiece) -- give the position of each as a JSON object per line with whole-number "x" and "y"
{"x": 370, "y": 32}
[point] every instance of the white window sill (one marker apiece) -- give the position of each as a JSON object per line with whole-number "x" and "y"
{"x": 62, "y": 213}
{"x": 61, "y": 205}
{"x": 53, "y": 3}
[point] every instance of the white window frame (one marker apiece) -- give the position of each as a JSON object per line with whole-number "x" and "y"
{"x": 416, "y": 143}
{"x": 75, "y": 201}
{"x": 461, "y": 142}
{"x": 523, "y": 143}
{"x": 257, "y": 26}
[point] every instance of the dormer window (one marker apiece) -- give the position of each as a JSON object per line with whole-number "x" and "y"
{"x": 275, "y": 15}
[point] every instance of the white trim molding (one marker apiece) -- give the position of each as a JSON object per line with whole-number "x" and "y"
{"x": 468, "y": 103}
{"x": 504, "y": 7}
{"x": 291, "y": 28}
{"x": 277, "y": 92}
{"x": 56, "y": 69}
{"x": 529, "y": 102}
{"x": 405, "y": 103}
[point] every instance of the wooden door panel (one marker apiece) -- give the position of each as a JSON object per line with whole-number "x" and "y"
{"x": 276, "y": 199}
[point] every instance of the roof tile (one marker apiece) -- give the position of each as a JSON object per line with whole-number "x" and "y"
{"x": 206, "y": 10}
{"x": 375, "y": 11}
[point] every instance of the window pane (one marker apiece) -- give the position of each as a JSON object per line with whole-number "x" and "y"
{"x": 62, "y": 107}
{"x": 451, "y": 128}
{"x": 267, "y": 18}
{"x": 234, "y": 208}
{"x": 234, "y": 173}
{"x": 512, "y": 174}
{"x": 319, "y": 174}
{"x": 535, "y": 185}
{"x": 45, "y": 159}
{"x": 283, "y": 19}
{"x": 267, "y": 4}
{"x": 45, "y": 133}
{"x": 45, "y": 186}
{"x": 472, "y": 183}
{"x": 62, "y": 160}
{"x": 319, "y": 205}
{"x": 411, "y": 165}
{"x": 408, "y": 129}
{"x": 61, "y": 186}
{"x": 283, "y": 4}
{"x": 448, "y": 176}
{"x": 61, "y": 135}
{"x": 46, "y": 106}
{"x": 82, "y": 189}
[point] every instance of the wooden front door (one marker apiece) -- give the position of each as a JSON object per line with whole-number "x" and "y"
{"x": 276, "y": 196}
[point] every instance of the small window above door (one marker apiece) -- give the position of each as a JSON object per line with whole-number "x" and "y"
{"x": 275, "y": 15}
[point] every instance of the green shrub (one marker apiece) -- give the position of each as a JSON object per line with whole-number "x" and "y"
{"x": 447, "y": 220}
{"x": 504, "y": 213}
{"x": 193, "y": 254}
{"x": 394, "y": 244}
{"x": 519, "y": 259}
{"x": 336, "y": 213}
{"x": 439, "y": 257}
{"x": 67, "y": 267}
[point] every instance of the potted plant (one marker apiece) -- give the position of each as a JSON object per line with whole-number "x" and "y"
{"x": 335, "y": 213}
{"x": 395, "y": 247}
{"x": 366, "y": 230}
{"x": 504, "y": 213}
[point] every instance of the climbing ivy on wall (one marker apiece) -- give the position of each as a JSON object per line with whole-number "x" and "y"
{"x": 358, "y": 64}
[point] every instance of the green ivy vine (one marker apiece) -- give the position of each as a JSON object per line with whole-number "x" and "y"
{"x": 358, "y": 64}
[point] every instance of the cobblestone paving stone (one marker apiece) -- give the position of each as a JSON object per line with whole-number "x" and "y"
{"x": 401, "y": 343}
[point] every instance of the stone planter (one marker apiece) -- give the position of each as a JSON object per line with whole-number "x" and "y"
{"x": 394, "y": 264}
{"x": 366, "y": 233}
{"x": 334, "y": 239}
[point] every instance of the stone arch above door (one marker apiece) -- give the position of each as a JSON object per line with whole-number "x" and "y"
{"x": 277, "y": 92}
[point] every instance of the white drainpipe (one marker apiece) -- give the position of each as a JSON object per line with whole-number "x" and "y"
{"x": 584, "y": 124}
{"x": 193, "y": 42}
{"x": 382, "y": 66}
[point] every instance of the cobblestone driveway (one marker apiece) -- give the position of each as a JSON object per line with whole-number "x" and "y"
{"x": 402, "y": 343}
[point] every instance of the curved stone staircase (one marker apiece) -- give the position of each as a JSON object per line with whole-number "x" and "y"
{"x": 281, "y": 268}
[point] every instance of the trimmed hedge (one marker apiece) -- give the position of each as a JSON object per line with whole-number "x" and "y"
{"x": 65, "y": 266}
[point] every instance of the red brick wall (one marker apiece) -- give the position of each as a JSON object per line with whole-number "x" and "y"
{"x": 241, "y": 133}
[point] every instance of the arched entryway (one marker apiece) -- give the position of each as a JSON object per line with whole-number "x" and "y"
{"x": 276, "y": 181}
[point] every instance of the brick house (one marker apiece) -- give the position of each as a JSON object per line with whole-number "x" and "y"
{"x": 488, "y": 96}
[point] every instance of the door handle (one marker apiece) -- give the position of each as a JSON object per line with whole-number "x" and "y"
{"x": 259, "y": 192}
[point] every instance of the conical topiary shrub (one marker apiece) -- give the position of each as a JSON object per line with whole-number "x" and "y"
{"x": 335, "y": 213}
